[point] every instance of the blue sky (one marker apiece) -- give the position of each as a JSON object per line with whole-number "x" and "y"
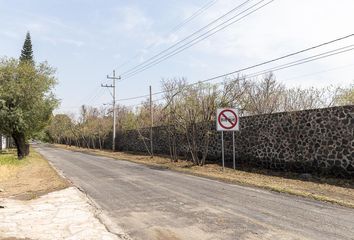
{"x": 86, "y": 39}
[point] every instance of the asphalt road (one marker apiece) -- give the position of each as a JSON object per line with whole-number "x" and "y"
{"x": 152, "y": 203}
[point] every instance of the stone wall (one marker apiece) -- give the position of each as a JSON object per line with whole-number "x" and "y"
{"x": 315, "y": 141}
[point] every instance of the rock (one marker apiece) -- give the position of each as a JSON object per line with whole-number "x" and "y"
{"x": 305, "y": 176}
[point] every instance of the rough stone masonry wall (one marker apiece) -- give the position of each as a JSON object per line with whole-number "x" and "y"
{"x": 314, "y": 141}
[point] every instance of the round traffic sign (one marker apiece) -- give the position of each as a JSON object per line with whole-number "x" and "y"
{"x": 227, "y": 119}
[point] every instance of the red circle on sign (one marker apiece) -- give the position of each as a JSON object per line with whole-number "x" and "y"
{"x": 233, "y": 124}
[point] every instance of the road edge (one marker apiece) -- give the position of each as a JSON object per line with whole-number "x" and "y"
{"x": 313, "y": 197}
{"x": 99, "y": 213}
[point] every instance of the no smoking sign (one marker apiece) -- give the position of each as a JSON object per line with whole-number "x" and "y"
{"x": 227, "y": 119}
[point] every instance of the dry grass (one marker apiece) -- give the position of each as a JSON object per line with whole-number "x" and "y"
{"x": 338, "y": 191}
{"x": 27, "y": 178}
{"x": 9, "y": 164}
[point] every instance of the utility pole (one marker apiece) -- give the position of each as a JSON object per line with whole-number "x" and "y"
{"x": 152, "y": 124}
{"x": 114, "y": 78}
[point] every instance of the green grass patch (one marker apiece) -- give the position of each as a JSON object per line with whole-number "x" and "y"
{"x": 9, "y": 157}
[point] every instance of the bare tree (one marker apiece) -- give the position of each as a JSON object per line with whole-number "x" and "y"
{"x": 172, "y": 88}
{"x": 126, "y": 118}
{"x": 234, "y": 92}
{"x": 103, "y": 128}
{"x": 296, "y": 99}
{"x": 191, "y": 109}
{"x": 264, "y": 96}
{"x": 59, "y": 128}
{"x": 345, "y": 95}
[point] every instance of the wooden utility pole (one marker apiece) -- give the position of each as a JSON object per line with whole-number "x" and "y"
{"x": 114, "y": 78}
{"x": 152, "y": 125}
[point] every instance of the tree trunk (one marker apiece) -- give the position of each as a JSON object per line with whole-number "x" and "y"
{"x": 100, "y": 142}
{"x": 172, "y": 143}
{"x": 21, "y": 145}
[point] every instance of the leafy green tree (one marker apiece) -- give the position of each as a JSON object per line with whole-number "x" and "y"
{"x": 26, "y": 100}
{"x": 27, "y": 52}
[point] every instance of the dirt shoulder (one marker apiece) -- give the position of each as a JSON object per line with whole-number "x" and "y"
{"x": 28, "y": 178}
{"x": 338, "y": 191}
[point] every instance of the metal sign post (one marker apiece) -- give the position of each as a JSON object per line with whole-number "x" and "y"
{"x": 227, "y": 120}
{"x": 222, "y": 150}
{"x": 233, "y": 150}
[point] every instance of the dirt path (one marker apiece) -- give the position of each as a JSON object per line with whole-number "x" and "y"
{"x": 29, "y": 179}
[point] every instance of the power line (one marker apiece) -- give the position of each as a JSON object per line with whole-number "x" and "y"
{"x": 319, "y": 72}
{"x": 281, "y": 67}
{"x": 257, "y": 65}
{"x": 194, "y": 15}
{"x": 174, "y": 29}
{"x": 88, "y": 96}
{"x": 93, "y": 95}
{"x": 308, "y": 59}
{"x": 277, "y": 59}
{"x": 142, "y": 103}
{"x": 195, "y": 40}
{"x": 274, "y": 69}
{"x": 98, "y": 94}
{"x": 189, "y": 36}
{"x": 137, "y": 97}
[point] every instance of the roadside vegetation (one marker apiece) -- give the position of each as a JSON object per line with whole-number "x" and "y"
{"x": 9, "y": 164}
{"x": 187, "y": 110}
{"x": 186, "y": 106}
{"x": 29, "y": 178}
{"x": 26, "y": 98}
{"x": 8, "y": 158}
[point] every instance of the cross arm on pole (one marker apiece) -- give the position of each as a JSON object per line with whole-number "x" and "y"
{"x": 107, "y": 86}
{"x": 114, "y": 78}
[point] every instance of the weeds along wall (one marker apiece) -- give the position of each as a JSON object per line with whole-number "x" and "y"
{"x": 317, "y": 141}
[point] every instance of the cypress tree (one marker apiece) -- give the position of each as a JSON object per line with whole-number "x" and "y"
{"x": 27, "y": 53}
